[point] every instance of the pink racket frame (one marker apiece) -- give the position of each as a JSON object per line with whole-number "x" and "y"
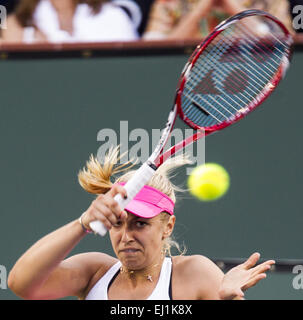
{"x": 204, "y": 131}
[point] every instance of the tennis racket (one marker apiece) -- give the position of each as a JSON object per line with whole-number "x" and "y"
{"x": 228, "y": 75}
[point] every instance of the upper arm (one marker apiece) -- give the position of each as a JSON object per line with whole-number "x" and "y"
{"x": 203, "y": 276}
{"x": 73, "y": 275}
{"x": 211, "y": 278}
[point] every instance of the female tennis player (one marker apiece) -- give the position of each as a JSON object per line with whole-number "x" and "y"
{"x": 143, "y": 267}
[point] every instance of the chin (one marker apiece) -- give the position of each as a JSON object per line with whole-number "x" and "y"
{"x": 131, "y": 263}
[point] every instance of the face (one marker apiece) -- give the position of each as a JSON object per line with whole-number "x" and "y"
{"x": 138, "y": 242}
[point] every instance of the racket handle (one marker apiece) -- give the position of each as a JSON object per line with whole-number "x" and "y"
{"x": 133, "y": 186}
{"x": 98, "y": 227}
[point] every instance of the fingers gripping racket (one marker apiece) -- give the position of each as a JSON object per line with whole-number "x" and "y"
{"x": 228, "y": 75}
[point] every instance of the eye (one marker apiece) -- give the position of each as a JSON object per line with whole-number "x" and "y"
{"x": 117, "y": 224}
{"x": 141, "y": 224}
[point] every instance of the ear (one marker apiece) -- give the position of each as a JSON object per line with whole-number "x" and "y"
{"x": 169, "y": 227}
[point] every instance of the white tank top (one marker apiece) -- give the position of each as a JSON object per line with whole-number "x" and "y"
{"x": 162, "y": 290}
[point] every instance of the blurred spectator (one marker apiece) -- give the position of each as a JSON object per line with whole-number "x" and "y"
{"x": 70, "y": 21}
{"x": 296, "y": 10}
{"x": 138, "y": 10}
{"x": 145, "y": 6}
{"x": 181, "y": 19}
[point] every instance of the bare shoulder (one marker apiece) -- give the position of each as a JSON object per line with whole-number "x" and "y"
{"x": 14, "y": 31}
{"x": 96, "y": 265}
{"x": 194, "y": 264}
{"x": 201, "y": 275}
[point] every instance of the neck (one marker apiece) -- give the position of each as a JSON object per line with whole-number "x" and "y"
{"x": 65, "y": 11}
{"x": 147, "y": 274}
{"x": 63, "y": 5}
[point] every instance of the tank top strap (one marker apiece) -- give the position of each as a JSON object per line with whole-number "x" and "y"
{"x": 99, "y": 290}
{"x": 162, "y": 290}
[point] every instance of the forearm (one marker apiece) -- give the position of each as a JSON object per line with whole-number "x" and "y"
{"x": 37, "y": 263}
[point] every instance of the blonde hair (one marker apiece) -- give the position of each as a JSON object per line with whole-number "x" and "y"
{"x": 97, "y": 178}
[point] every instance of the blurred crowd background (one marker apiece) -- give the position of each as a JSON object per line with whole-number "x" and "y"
{"x": 32, "y": 21}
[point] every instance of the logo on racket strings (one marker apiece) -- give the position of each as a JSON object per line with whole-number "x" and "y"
{"x": 140, "y": 143}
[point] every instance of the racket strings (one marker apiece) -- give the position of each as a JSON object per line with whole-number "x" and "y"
{"x": 201, "y": 107}
{"x": 228, "y": 67}
{"x": 248, "y": 35}
{"x": 221, "y": 45}
{"x": 275, "y": 30}
{"x": 244, "y": 101}
{"x": 235, "y": 101}
{"x": 222, "y": 79}
{"x": 265, "y": 43}
{"x": 220, "y": 104}
{"x": 196, "y": 77}
{"x": 196, "y": 72}
{"x": 255, "y": 64}
{"x": 192, "y": 103}
{"x": 251, "y": 92}
{"x": 214, "y": 99}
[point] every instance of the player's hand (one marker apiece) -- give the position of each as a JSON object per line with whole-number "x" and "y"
{"x": 243, "y": 276}
{"x": 105, "y": 209}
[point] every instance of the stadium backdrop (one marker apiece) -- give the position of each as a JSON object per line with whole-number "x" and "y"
{"x": 55, "y": 101}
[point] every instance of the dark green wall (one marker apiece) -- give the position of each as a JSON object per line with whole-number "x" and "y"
{"x": 52, "y": 111}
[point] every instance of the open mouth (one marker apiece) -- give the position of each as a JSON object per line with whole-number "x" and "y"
{"x": 130, "y": 250}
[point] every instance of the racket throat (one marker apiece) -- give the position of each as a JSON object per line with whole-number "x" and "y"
{"x": 153, "y": 160}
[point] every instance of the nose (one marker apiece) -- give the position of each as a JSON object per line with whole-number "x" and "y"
{"x": 126, "y": 235}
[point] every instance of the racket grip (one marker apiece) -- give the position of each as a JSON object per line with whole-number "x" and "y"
{"x": 133, "y": 186}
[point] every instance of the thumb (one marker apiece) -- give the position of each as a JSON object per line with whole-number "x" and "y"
{"x": 239, "y": 294}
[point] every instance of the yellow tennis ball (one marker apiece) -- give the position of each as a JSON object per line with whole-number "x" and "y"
{"x": 208, "y": 182}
